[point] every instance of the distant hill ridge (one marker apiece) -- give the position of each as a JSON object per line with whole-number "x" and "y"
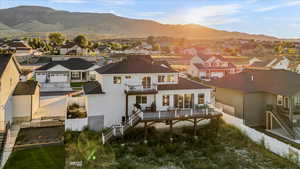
{"x": 42, "y": 19}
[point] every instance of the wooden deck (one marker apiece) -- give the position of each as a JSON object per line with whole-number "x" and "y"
{"x": 183, "y": 114}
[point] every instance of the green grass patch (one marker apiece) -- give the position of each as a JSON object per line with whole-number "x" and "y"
{"x": 77, "y": 84}
{"x": 50, "y": 157}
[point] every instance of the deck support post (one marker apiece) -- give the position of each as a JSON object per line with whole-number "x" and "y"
{"x": 195, "y": 128}
{"x": 126, "y": 115}
{"x": 171, "y": 131}
{"x": 146, "y": 133}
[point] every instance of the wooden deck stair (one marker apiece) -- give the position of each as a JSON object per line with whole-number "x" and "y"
{"x": 2, "y": 143}
{"x": 120, "y": 129}
{"x": 284, "y": 122}
{"x": 160, "y": 116}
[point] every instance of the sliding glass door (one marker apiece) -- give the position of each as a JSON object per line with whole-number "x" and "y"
{"x": 183, "y": 101}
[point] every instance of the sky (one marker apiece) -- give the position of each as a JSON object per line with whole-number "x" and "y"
{"x": 280, "y": 18}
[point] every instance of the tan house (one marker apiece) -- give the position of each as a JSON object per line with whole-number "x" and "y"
{"x": 268, "y": 98}
{"x": 9, "y": 78}
{"x": 18, "y": 100}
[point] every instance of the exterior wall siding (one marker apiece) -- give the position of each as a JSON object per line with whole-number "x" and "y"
{"x": 236, "y": 100}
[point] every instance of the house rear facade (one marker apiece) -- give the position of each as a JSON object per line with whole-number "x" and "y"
{"x": 139, "y": 82}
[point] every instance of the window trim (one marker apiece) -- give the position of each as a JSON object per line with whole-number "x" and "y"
{"x": 141, "y": 99}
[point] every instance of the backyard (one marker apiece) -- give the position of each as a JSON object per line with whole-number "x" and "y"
{"x": 227, "y": 148}
{"x": 49, "y": 157}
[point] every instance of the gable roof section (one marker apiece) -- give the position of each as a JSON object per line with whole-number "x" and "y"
{"x": 183, "y": 84}
{"x": 201, "y": 66}
{"x": 133, "y": 65}
{"x": 25, "y": 88}
{"x": 4, "y": 60}
{"x": 92, "y": 87}
{"x": 72, "y": 64}
{"x": 279, "y": 82}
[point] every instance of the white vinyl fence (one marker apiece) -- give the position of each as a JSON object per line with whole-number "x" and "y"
{"x": 76, "y": 124}
{"x": 270, "y": 143}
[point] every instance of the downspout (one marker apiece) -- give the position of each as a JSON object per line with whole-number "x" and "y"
{"x": 243, "y": 114}
{"x": 31, "y": 107}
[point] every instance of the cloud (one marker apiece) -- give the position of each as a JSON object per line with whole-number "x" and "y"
{"x": 117, "y": 2}
{"x": 277, "y": 6}
{"x": 205, "y": 15}
{"x": 69, "y": 1}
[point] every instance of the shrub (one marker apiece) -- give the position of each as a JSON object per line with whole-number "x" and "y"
{"x": 141, "y": 150}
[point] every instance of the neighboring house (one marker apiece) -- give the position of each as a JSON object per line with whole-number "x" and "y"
{"x": 282, "y": 63}
{"x": 250, "y": 94}
{"x": 207, "y": 67}
{"x": 71, "y": 48}
{"x": 20, "y": 47}
{"x": 58, "y": 75}
{"x": 139, "y": 82}
{"x": 9, "y": 89}
{"x": 9, "y": 78}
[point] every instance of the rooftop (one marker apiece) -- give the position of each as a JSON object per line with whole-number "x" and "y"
{"x": 272, "y": 81}
{"x": 25, "y": 88}
{"x": 134, "y": 64}
{"x": 72, "y": 64}
{"x": 92, "y": 87}
{"x": 183, "y": 84}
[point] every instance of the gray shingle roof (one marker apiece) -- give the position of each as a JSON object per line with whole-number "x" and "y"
{"x": 272, "y": 81}
{"x": 183, "y": 84}
{"x": 133, "y": 65}
{"x": 72, "y": 64}
{"x": 92, "y": 87}
{"x": 25, "y": 88}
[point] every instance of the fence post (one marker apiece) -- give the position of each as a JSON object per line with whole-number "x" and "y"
{"x": 122, "y": 130}
{"x": 175, "y": 112}
{"x": 114, "y": 131}
{"x": 103, "y": 139}
{"x": 191, "y": 112}
{"x": 159, "y": 114}
{"x": 131, "y": 124}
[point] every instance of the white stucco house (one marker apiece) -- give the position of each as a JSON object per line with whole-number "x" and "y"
{"x": 18, "y": 100}
{"x": 58, "y": 75}
{"x": 137, "y": 81}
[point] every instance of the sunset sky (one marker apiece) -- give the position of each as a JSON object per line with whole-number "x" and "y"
{"x": 279, "y": 18}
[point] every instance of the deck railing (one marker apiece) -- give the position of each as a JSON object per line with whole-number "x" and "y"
{"x": 141, "y": 88}
{"x": 121, "y": 127}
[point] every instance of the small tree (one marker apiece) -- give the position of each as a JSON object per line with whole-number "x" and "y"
{"x": 56, "y": 39}
{"x": 81, "y": 41}
{"x": 156, "y": 47}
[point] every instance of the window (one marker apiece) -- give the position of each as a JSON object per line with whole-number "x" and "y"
{"x": 161, "y": 78}
{"x": 74, "y": 75}
{"x": 297, "y": 100}
{"x": 127, "y": 77}
{"x": 141, "y": 99}
{"x": 170, "y": 78}
{"x": 117, "y": 80}
{"x": 166, "y": 100}
{"x": 279, "y": 100}
{"x": 201, "y": 99}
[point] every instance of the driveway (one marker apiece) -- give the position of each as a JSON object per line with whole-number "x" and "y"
{"x": 51, "y": 107}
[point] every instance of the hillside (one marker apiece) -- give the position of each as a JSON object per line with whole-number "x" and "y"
{"x": 32, "y": 19}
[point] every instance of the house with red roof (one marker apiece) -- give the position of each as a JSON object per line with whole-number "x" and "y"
{"x": 207, "y": 67}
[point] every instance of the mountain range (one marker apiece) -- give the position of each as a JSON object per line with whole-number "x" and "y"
{"x": 35, "y": 19}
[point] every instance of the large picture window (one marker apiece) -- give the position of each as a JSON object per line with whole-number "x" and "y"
{"x": 141, "y": 99}
{"x": 75, "y": 75}
{"x": 201, "y": 99}
{"x": 166, "y": 100}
